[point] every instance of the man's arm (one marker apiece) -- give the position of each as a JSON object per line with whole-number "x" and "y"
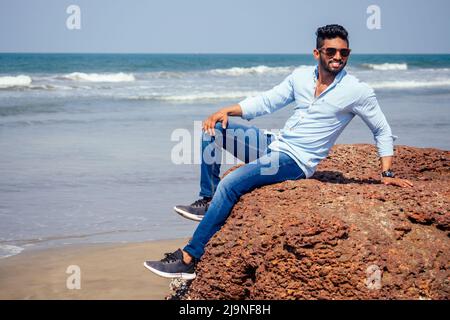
{"x": 369, "y": 110}
{"x": 221, "y": 116}
{"x": 249, "y": 108}
{"x": 269, "y": 101}
{"x": 386, "y": 164}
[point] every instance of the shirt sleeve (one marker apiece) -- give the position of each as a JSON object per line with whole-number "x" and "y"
{"x": 269, "y": 101}
{"x": 370, "y": 112}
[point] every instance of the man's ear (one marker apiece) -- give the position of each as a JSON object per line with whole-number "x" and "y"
{"x": 316, "y": 54}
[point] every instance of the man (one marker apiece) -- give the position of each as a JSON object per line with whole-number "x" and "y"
{"x": 327, "y": 99}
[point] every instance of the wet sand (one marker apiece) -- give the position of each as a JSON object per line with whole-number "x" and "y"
{"x": 108, "y": 271}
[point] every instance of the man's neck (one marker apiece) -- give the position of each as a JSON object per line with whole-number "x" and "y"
{"x": 325, "y": 77}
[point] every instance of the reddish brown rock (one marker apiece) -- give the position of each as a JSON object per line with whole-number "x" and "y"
{"x": 339, "y": 235}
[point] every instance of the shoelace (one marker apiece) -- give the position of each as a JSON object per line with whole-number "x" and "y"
{"x": 200, "y": 203}
{"x": 170, "y": 257}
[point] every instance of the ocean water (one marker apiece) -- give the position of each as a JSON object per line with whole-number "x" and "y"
{"x": 85, "y": 139}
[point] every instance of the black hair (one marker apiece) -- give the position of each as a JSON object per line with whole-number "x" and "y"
{"x": 330, "y": 31}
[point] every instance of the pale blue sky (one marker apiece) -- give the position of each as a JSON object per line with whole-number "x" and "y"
{"x": 226, "y": 26}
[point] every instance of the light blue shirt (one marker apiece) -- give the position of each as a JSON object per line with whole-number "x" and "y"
{"x": 312, "y": 130}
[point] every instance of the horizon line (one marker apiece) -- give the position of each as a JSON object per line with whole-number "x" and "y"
{"x": 214, "y": 53}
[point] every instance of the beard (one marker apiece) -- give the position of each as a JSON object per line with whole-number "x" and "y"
{"x": 326, "y": 65}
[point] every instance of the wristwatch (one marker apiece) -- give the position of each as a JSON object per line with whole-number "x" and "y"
{"x": 388, "y": 174}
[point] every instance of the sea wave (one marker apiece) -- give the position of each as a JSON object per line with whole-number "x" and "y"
{"x": 165, "y": 74}
{"x": 17, "y": 81}
{"x": 7, "y": 250}
{"x": 385, "y": 66}
{"x": 409, "y": 84}
{"x": 198, "y": 96}
{"x": 100, "y": 77}
{"x": 262, "y": 69}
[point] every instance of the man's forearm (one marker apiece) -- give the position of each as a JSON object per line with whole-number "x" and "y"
{"x": 221, "y": 116}
{"x": 234, "y": 110}
{"x": 386, "y": 163}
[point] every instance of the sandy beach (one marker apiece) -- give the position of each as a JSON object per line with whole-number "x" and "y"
{"x": 109, "y": 271}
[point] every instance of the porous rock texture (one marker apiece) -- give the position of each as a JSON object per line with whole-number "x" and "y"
{"x": 338, "y": 235}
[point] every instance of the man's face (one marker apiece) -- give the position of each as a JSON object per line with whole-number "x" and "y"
{"x": 332, "y": 64}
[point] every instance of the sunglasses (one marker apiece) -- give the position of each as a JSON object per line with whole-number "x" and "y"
{"x": 331, "y": 52}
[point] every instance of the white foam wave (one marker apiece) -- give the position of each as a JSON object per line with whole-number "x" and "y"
{"x": 409, "y": 84}
{"x": 386, "y": 66}
{"x": 100, "y": 77}
{"x": 7, "y": 250}
{"x": 198, "y": 96}
{"x": 18, "y": 81}
{"x": 165, "y": 74}
{"x": 262, "y": 69}
{"x": 50, "y": 87}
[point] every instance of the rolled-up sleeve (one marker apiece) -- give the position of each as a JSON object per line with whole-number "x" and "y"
{"x": 269, "y": 101}
{"x": 369, "y": 110}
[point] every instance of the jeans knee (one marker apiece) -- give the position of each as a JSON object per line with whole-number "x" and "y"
{"x": 206, "y": 137}
{"x": 218, "y": 130}
{"x": 218, "y": 126}
{"x": 227, "y": 188}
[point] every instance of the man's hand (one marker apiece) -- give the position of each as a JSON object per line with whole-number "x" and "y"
{"x": 386, "y": 164}
{"x": 210, "y": 122}
{"x": 221, "y": 116}
{"x": 397, "y": 182}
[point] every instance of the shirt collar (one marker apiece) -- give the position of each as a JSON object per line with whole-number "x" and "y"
{"x": 337, "y": 79}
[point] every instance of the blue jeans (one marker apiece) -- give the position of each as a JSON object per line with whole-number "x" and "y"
{"x": 263, "y": 166}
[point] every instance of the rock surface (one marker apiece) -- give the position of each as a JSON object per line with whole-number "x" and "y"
{"x": 339, "y": 235}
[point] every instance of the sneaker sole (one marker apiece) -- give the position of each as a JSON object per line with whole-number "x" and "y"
{"x": 188, "y": 215}
{"x": 185, "y": 276}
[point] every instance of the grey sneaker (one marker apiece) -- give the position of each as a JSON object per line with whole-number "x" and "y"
{"x": 195, "y": 211}
{"x": 172, "y": 266}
